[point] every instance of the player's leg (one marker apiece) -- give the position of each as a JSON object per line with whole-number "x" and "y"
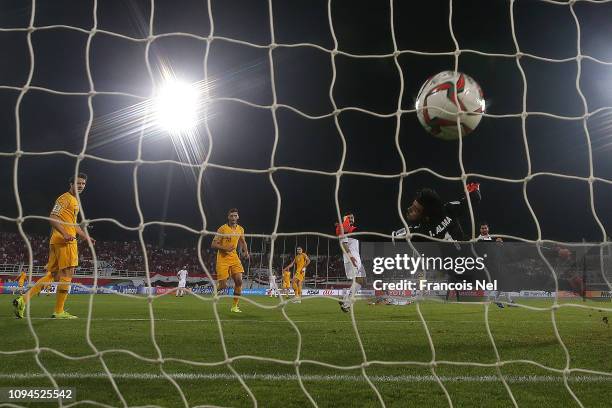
{"x": 222, "y": 270}
{"x": 270, "y": 287}
{"x": 356, "y": 286}
{"x": 221, "y": 285}
{"x": 296, "y": 289}
{"x": 19, "y": 304}
{"x": 273, "y": 288}
{"x": 357, "y": 274}
{"x": 64, "y": 278}
{"x": 510, "y": 300}
{"x": 42, "y": 283}
{"x": 67, "y": 261}
{"x": 349, "y": 270}
{"x": 237, "y": 278}
{"x": 236, "y": 271}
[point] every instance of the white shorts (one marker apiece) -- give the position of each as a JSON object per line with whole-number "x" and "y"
{"x": 182, "y": 283}
{"x": 352, "y": 272}
{"x": 273, "y": 284}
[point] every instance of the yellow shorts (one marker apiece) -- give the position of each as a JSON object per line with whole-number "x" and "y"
{"x": 227, "y": 267}
{"x": 299, "y": 276}
{"x": 286, "y": 284}
{"x": 62, "y": 256}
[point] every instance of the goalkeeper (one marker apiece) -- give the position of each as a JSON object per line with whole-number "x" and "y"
{"x": 429, "y": 216}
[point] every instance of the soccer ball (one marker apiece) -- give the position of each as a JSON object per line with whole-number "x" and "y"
{"x": 450, "y": 91}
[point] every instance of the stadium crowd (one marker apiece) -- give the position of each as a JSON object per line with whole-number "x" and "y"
{"x": 128, "y": 256}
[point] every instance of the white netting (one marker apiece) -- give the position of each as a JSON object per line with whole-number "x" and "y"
{"x": 228, "y": 360}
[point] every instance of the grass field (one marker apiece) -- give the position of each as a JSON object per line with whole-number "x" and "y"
{"x": 187, "y": 337}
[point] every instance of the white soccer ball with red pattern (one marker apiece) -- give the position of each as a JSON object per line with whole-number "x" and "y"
{"x": 440, "y": 100}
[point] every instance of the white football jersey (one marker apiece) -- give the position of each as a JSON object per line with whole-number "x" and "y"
{"x": 484, "y": 238}
{"x": 353, "y": 247}
{"x": 182, "y": 274}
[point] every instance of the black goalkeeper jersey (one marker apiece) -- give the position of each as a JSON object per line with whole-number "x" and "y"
{"x": 447, "y": 226}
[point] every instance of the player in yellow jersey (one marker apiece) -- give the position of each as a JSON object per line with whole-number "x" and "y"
{"x": 230, "y": 237}
{"x": 301, "y": 262}
{"x": 286, "y": 281}
{"x": 21, "y": 281}
{"x": 63, "y": 252}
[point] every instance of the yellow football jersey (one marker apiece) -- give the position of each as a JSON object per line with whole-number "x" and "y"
{"x": 231, "y": 240}
{"x": 300, "y": 261}
{"x": 66, "y": 208}
{"x": 286, "y": 276}
{"x": 22, "y": 278}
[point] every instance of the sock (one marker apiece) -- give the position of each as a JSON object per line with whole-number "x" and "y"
{"x": 352, "y": 291}
{"x": 237, "y": 292}
{"x": 299, "y": 287}
{"x": 295, "y": 288}
{"x": 62, "y": 293}
{"x": 40, "y": 284}
{"x": 347, "y": 295}
{"x": 508, "y": 297}
{"x": 357, "y": 288}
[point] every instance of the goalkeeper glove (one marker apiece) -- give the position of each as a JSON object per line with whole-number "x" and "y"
{"x": 471, "y": 187}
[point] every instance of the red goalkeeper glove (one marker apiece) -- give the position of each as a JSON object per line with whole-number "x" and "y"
{"x": 471, "y": 187}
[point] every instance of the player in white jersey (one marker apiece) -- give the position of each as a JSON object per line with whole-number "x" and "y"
{"x": 353, "y": 267}
{"x": 485, "y": 237}
{"x": 273, "y": 286}
{"x": 182, "y": 277}
{"x": 484, "y": 233}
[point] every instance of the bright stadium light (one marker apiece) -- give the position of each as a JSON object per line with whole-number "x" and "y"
{"x": 176, "y": 106}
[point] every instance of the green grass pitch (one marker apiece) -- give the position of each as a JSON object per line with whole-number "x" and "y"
{"x": 187, "y": 338}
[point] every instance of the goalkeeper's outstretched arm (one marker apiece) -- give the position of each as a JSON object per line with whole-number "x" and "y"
{"x": 460, "y": 207}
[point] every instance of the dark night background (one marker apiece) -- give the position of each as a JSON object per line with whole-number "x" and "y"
{"x": 243, "y": 136}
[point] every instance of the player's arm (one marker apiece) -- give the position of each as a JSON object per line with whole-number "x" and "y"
{"x": 307, "y": 262}
{"x": 243, "y": 246}
{"x": 56, "y": 223}
{"x": 83, "y": 235}
{"x": 217, "y": 244}
{"x": 461, "y": 207}
{"x": 290, "y": 265}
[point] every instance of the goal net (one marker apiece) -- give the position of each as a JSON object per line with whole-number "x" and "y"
{"x": 305, "y": 111}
